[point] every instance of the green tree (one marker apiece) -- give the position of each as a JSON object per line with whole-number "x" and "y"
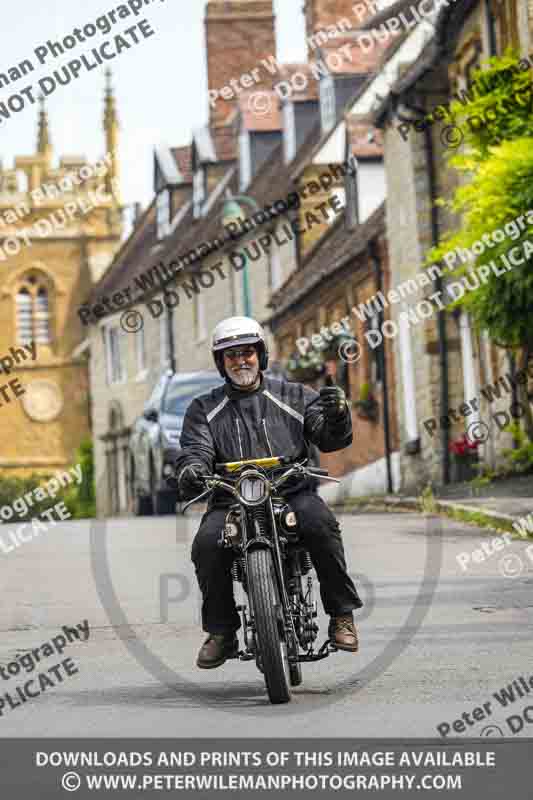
{"x": 497, "y": 165}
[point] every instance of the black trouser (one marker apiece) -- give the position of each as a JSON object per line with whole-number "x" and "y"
{"x": 320, "y": 533}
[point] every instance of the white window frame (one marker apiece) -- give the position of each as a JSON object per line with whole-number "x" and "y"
{"x": 198, "y": 191}
{"x": 164, "y": 343}
{"x": 245, "y": 155}
{"x": 276, "y": 267}
{"x": 140, "y": 354}
{"x": 200, "y": 318}
{"x": 115, "y": 367}
{"x": 289, "y": 127}
{"x": 327, "y": 103}
{"x": 163, "y": 213}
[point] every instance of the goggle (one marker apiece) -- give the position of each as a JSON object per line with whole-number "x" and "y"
{"x": 241, "y": 352}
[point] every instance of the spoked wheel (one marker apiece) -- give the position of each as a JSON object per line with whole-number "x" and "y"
{"x": 269, "y": 625}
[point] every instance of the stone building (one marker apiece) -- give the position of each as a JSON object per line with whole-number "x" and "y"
{"x": 442, "y": 361}
{"x": 59, "y": 227}
{"x": 185, "y": 271}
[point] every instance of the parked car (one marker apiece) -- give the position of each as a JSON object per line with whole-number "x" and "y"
{"x": 154, "y": 441}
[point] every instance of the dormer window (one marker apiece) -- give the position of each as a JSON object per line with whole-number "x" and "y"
{"x": 289, "y": 127}
{"x": 327, "y": 103}
{"x": 198, "y": 192}
{"x": 163, "y": 213}
{"x": 245, "y": 159}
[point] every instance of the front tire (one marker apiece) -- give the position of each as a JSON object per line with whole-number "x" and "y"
{"x": 268, "y": 619}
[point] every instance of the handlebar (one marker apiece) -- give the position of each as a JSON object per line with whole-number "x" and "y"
{"x": 216, "y": 481}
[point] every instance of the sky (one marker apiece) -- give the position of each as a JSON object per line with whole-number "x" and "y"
{"x": 160, "y": 84}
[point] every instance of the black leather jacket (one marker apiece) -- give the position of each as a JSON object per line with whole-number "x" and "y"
{"x": 279, "y": 418}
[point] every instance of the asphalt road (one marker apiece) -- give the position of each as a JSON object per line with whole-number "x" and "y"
{"x": 436, "y": 640}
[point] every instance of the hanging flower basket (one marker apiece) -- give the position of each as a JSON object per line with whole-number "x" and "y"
{"x": 305, "y": 369}
{"x": 334, "y": 348}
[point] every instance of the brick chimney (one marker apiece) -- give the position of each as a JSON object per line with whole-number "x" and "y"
{"x": 239, "y": 33}
{"x": 330, "y": 24}
{"x": 327, "y": 15}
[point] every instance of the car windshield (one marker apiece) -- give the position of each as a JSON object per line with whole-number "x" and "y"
{"x": 180, "y": 395}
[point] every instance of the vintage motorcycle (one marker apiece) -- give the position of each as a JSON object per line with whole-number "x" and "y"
{"x": 270, "y": 562}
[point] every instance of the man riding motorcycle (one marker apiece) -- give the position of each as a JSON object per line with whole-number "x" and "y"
{"x": 254, "y": 416}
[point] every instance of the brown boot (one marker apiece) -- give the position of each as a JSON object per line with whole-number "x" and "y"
{"x": 343, "y": 633}
{"x": 216, "y": 649}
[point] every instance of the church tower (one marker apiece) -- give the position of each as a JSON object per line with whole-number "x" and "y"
{"x": 59, "y": 228}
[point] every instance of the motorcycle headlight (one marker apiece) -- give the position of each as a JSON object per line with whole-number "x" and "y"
{"x": 253, "y": 489}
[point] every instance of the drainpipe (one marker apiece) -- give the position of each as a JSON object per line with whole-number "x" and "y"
{"x": 374, "y": 254}
{"x": 441, "y": 315}
{"x": 171, "y": 343}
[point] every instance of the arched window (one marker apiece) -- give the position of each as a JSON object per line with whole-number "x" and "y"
{"x": 33, "y": 312}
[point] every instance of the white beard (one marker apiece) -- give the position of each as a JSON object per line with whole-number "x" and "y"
{"x": 244, "y": 377}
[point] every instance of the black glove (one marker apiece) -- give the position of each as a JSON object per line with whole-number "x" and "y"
{"x": 333, "y": 401}
{"x": 189, "y": 479}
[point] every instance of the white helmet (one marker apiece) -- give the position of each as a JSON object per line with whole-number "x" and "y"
{"x": 234, "y": 331}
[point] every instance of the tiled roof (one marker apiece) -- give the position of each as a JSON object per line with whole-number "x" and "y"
{"x": 438, "y": 47}
{"x": 333, "y": 252}
{"x": 270, "y": 184}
